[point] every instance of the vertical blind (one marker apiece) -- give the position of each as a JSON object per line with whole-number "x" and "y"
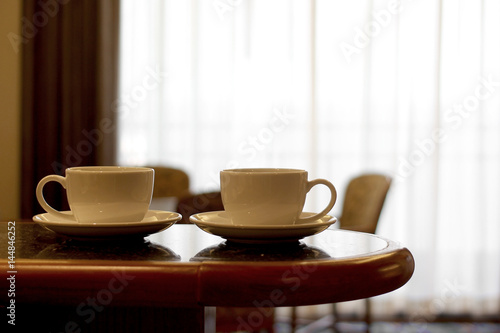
{"x": 406, "y": 88}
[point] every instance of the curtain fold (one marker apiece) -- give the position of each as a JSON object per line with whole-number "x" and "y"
{"x": 69, "y": 85}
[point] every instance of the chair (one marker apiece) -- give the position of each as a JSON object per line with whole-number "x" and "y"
{"x": 363, "y": 202}
{"x": 171, "y": 185}
{"x": 199, "y": 203}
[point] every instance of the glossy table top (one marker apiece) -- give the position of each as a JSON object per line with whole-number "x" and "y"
{"x": 185, "y": 266}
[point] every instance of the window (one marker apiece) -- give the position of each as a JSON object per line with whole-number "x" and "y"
{"x": 409, "y": 88}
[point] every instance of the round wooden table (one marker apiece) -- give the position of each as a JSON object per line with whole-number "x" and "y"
{"x": 165, "y": 280}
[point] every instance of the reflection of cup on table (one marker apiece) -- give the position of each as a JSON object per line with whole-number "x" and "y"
{"x": 103, "y": 194}
{"x": 269, "y": 196}
{"x": 136, "y": 249}
{"x": 228, "y": 251}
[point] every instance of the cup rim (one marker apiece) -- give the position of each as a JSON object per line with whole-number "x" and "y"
{"x": 259, "y": 171}
{"x": 107, "y": 169}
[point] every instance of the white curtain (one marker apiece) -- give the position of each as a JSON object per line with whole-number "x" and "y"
{"x": 407, "y": 88}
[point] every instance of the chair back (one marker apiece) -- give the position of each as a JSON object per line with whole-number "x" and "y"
{"x": 170, "y": 182}
{"x": 199, "y": 203}
{"x": 363, "y": 202}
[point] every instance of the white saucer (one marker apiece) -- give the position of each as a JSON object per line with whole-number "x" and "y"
{"x": 154, "y": 221}
{"x": 219, "y": 223}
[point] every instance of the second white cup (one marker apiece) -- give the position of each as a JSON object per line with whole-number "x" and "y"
{"x": 269, "y": 196}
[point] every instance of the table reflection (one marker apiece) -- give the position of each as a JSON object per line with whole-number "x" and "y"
{"x": 341, "y": 244}
{"x": 188, "y": 243}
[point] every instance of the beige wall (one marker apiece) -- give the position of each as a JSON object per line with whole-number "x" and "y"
{"x": 10, "y": 109}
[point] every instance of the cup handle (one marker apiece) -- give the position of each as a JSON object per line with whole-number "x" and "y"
{"x": 41, "y": 200}
{"x": 333, "y": 198}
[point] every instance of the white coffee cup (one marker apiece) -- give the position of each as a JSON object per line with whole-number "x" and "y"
{"x": 103, "y": 194}
{"x": 269, "y": 196}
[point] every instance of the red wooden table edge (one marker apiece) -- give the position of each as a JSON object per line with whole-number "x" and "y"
{"x": 126, "y": 283}
{"x": 188, "y": 284}
{"x": 306, "y": 282}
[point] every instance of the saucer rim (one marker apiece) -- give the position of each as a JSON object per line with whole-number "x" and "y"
{"x": 330, "y": 220}
{"x": 262, "y": 234}
{"x": 42, "y": 219}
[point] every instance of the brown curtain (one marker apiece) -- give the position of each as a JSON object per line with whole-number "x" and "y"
{"x": 70, "y": 52}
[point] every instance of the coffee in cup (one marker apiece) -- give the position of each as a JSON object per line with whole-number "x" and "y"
{"x": 269, "y": 196}
{"x": 103, "y": 194}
